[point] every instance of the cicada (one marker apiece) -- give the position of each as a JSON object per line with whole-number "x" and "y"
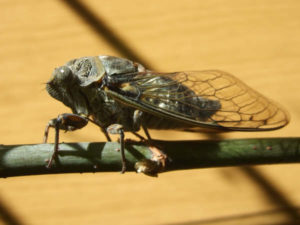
{"x": 119, "y": 96}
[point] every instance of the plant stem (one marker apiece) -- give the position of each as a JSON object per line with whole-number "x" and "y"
{"x": 19, "y": 160}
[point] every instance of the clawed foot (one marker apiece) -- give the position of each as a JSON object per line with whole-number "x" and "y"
{"x": 152, "y": 166}
{"x": 158, "y": 156}
{"x": 50, "y": 161}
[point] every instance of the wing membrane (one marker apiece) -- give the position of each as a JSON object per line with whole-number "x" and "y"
{"x": 202, "y": 98}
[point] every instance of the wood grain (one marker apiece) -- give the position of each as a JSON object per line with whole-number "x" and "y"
{"x": 258, "y": 41}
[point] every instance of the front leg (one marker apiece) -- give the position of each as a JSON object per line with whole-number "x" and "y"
{"x": 66, "y": 122}
{"x": 118, "y": 129}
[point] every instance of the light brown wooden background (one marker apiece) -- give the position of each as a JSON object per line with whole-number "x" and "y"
{"x": 258, "y": 41}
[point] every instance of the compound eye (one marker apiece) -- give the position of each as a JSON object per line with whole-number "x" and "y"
{"x": 62, "y": 73}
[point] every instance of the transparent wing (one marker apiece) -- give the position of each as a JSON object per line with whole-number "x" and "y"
{"x": 202, "y": 98}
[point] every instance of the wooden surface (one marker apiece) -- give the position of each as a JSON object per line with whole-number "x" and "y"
{"x": 258, "y": 41}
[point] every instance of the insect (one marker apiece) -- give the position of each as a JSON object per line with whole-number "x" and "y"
{"x": 119, "y": 95}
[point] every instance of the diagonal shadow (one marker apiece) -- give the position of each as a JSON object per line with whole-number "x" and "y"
{"x": 92, "y": 153}
{"x": 273, "y": 194}
{"x": 103, "y": 30}
{"x": 243, "y": 219}
{"x": 7, "y": 216}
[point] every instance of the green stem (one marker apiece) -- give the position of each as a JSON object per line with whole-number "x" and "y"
{"x": 18, "y": 160}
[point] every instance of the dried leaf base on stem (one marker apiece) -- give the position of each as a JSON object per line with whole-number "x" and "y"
{"x": 19, "y": 160}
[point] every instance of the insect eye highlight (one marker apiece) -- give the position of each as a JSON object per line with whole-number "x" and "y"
{"x": 62, "y": 74}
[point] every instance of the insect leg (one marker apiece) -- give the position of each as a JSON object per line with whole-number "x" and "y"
{"x": 118, "y": 129}
{"x": 157, "y": 154}
{"x": 66, "y": 122}
{"x": 137, "y": 118}
{"x": 106, "y": 134}
{"x": 139, "y": 136}
{"x": 46, "y": 132}
{"x": 101, "y": 127}
{"x": 147, "y": 133}
{"x": 56, "y": 142}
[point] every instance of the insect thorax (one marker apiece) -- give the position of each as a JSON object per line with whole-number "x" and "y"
{"x": 106, "y": 111}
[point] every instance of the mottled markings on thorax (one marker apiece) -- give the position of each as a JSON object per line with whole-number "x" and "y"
{"x": 129, "y": 89}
